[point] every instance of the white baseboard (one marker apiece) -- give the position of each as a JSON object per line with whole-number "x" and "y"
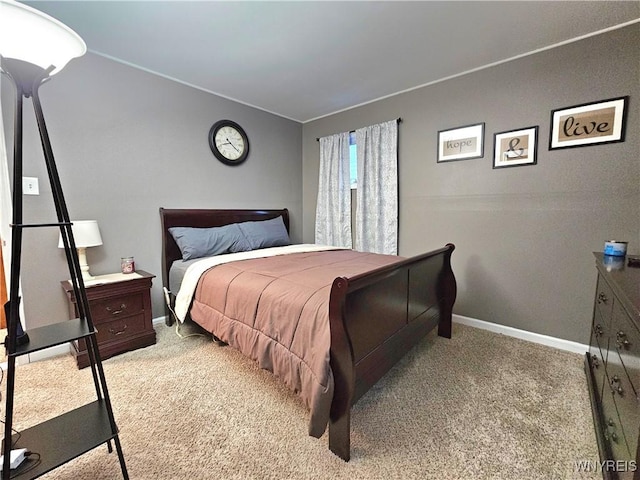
{"x": 554, "y": 342}
{"x": 558, "y": 343}
{"x": 48, "y": 353}
{"x": 51, "y": 352}
{"x": 43, "y": 354}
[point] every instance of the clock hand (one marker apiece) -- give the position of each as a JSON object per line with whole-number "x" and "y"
{"x": 229, "y": 142}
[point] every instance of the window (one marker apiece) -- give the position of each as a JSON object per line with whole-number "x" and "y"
{"x": 353, "y": 161}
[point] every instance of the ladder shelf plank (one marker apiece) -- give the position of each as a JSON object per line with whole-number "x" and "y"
{"x": 63, "y": 438}
{"x": 52, "y": 335}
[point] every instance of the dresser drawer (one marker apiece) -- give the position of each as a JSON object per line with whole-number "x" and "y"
{"x": 625, "y": 340}
{"x": 598, "y": 369}
{"x": 108, "y": 309}
{"x": 604, "y": 301}
{"x": 600, "y": 335}
{"x": 623, "y": 396}
{"x": 612, "y": 427}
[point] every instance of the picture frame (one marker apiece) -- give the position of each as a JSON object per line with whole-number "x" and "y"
{"x": 515, "y": 148}
{"x": 461, "y": 143}
{"x": 589, "y": 124}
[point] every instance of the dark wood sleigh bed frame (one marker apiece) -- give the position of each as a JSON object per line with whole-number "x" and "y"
{"x": 407, "y": 300}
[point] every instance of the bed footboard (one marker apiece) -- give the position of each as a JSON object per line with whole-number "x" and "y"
{"x": 375, "y": 319}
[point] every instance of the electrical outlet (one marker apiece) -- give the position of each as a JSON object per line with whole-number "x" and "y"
{"x": 30, "y": 186}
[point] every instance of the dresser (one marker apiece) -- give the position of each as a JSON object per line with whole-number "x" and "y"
{"x": 121, "y": 312}
{"x": 613, "y": 367}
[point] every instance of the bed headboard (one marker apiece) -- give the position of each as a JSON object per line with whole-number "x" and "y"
{"x": 204, "y": 218}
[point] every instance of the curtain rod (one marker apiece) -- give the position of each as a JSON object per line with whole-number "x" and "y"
{"x": 399, "y": 120}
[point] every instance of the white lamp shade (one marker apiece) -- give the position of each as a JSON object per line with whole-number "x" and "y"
{"x": 29, "y": 35}
{"x": 85, "y": 234}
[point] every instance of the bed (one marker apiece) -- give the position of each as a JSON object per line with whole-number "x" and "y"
{"x": 405, "y": 297}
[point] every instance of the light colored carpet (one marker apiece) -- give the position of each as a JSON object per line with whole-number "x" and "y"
{"x": 478, "y": 406}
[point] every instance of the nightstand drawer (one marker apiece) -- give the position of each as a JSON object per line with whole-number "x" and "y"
{"x": 108, "y": 309}
{"x": 120, "y": 328}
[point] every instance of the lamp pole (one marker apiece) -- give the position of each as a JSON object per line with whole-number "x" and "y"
{"x": 26, "y": 79}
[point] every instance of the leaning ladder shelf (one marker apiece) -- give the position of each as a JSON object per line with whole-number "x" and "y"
{"x": 89, "y": 424}
{"x": 65, "y": 437}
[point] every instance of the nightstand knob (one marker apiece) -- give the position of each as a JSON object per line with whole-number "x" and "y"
{"x": 116, "y": 312}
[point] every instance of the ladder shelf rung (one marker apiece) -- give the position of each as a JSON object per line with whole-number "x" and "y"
{"x": 52, "y": 335}
{"x": 64, "y": 438}
{"x": 38, "y": 225}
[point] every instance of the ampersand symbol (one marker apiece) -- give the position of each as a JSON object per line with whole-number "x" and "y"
{"x": 513, "y": 143}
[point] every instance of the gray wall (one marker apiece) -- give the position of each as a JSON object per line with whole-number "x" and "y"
{"x": 126, "y": 143}
{"x": 524, "y": 235}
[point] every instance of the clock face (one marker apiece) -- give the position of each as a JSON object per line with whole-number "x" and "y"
{"x": 229, "y": 142}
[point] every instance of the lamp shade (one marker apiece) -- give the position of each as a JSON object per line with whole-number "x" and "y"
{"x": 85, "y": 234}
{"x": 31, "y": 36}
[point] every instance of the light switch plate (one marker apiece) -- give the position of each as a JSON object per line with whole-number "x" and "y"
{"x": 30, "y": 186}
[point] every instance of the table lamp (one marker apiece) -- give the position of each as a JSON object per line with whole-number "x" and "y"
{"x": 86, "y": 234}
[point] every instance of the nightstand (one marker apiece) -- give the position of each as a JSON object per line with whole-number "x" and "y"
{"x": 120, "y": 307}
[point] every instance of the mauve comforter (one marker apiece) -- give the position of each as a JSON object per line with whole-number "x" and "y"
{"x": 275, "y": 310}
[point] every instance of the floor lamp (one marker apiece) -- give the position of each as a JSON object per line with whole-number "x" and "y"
{"x": 33, "y": 48}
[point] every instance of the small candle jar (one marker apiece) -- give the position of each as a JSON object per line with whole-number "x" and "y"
{"x": 127, "y": 265}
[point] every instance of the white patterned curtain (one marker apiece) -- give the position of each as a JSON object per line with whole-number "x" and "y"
{"x": 377, "y": 193}
{"x": 333, "y": 210}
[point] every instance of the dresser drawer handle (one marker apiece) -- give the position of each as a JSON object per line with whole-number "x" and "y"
{"x": 621, "y": 340}
{"x": 616, "y": 389}
{"x": 122, "y": 308}
{"x": 114, "y": 332}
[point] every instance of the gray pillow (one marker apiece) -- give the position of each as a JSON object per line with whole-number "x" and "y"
{"x": 265, "y": 233}
{"x": 205, "y": 242}
{"x": 236, "y": 237}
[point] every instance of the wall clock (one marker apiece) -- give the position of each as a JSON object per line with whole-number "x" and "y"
{"x": 229, "y": 142}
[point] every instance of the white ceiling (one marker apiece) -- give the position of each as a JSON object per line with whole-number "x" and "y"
{"x": 307, "y": 59}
